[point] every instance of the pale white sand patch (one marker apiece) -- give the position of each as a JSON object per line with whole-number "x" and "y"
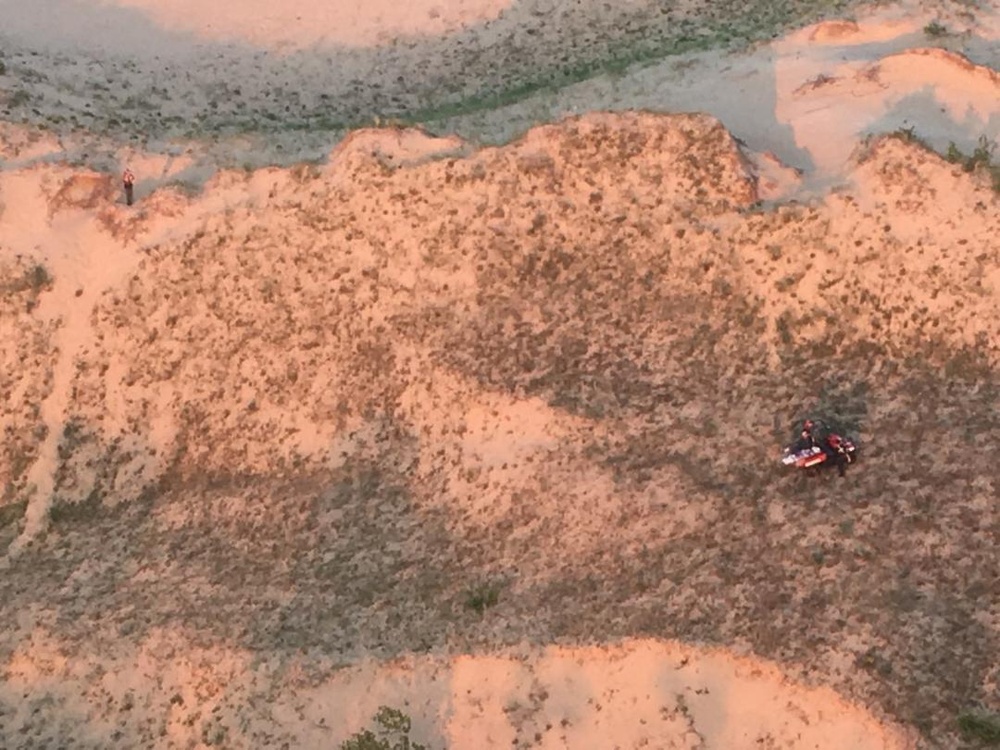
{"x": 303, "y": 23}
{"x": 637, "y": 694}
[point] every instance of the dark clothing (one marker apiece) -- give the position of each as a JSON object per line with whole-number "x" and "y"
{"x": 805, "y": 442}
{"x": 128, "y": 180}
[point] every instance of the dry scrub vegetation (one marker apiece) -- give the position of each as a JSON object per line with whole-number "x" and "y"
{"x": 26, "y": 360}
{"x": 555, "y": 375}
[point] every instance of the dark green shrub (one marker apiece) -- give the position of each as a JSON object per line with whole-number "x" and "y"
{"x": 935, "y": 29}
{"x": 980, "y": 726}
{"x": 482, "y": 597}
{"x": 392, "y": 732}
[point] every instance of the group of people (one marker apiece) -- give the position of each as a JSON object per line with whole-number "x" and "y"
{"x": 815, "y": 435}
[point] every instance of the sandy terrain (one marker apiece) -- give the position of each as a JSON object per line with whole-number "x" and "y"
{"x": 483, "y": 426}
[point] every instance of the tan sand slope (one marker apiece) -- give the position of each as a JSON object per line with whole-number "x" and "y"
{"x": 489, "y": 434}
{"x": 636, "y": 694}
{"x": 306, "y": 414}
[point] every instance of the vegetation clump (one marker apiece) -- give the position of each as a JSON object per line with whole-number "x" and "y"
{"x": 981, "y": 159}
{"x": 980, "y": 726}
{"x": 392, "y": 732}
{"x": 935, "y": 29}
{"x": 483, "y": 597}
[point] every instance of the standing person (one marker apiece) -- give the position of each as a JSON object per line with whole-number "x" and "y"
{"x": 128, "y": 180}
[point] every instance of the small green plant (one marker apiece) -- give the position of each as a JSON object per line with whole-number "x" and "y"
{"x": 980, "y": 726}
{"x": 19, "y": 98}
{"x": 909, "y": 135}
{"x": 981, "y": 158}
{"x": 392, "y": 732}
{"x": 982, "y": 155}
{"x": 482, "y": 597}
{"x": 935, "y": 29}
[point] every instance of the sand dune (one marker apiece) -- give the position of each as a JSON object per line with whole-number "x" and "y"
{"x": 636, "y": 694}
{"x": 485, "y": 412}
{"x": 478, "y": 420}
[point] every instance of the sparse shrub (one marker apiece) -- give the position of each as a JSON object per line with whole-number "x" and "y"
{"x": 935, "y": 29}
{"x": 19, "y": 98}
{"x": 39, "y": 278}
{"x": 68, "y": 512}
{"x": 721, "y": 287}
{"x": 392, "y": 732}
{"x": 213, "y": 734}
{"x": 482, "y": 597}
{"x": 909, "y": 135}
{"x": 981, "y": 158}
{"x": 21, "y": 459}
{"x": 787, "y": 283}
{"x": 982, "y": 155}
{"x": 12, "y": 513}
{"x": 816, "y": 82}
{"x": 73, "y": 436}
{"x": 305, "y": 172}
{"x": 980, "y": 726}
{"x": 3, "y": 68}
{"x": 783, "y": 326}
